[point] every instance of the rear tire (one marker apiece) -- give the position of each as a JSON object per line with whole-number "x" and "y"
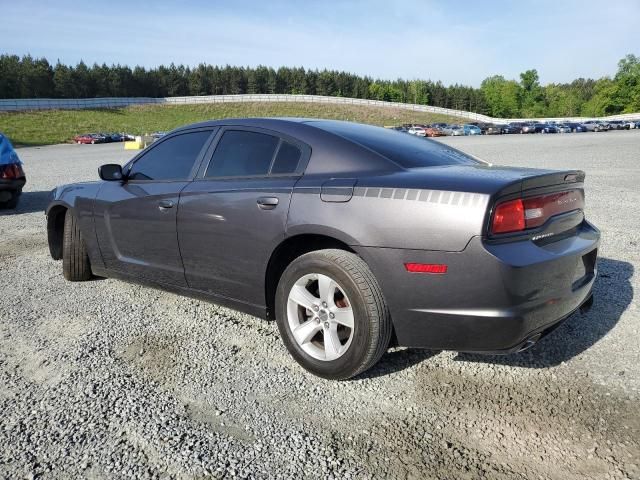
{"x": 75, "y": 260}
{"x": 354, "y": 289}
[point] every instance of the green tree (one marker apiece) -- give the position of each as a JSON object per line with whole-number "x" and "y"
{"x": 502, "y": 97}
{"x": 602, "y": 101}
{"x": 626, "y": 97}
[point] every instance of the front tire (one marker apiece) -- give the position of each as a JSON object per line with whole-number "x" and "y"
{"x": 75, "y": 259}
{"x": 331, "y": 314}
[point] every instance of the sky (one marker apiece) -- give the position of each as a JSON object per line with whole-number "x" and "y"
{"x": 453, "y": 41}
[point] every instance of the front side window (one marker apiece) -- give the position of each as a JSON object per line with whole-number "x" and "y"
{"x": 242, "y": 154}
{"x": 172, "y": 159}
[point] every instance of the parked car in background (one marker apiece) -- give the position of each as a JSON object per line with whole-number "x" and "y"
{"x": 432, "y": 131}
{"x": 491, "y": 129}
{"x": 576, "y": 127}
{"x": 85, "y": 138}
{"x": 91, "y": 138}
{"x": 563, "y": 128}
{"x": 116, "y": 137}
{"x": 12, "y": 176}
{"x": 617, "y": 125}
{"x": 439, "y": 125}
{"x": 544, "y": 128}
{"x": 338, "y": 232}
{"x": 594, "y": 126}
{"x": 469, "y": 129}
{"x": 507, "y": 129}
{"x": 106, "y": 137}
{"x": 453, "y": 130}
{"x": 516, "y": 127}
{"x": 157, "y": 135}
{"x": 528, "y": 127}
{"x": 629, "y": 124}
{"x": 417, "y": 130}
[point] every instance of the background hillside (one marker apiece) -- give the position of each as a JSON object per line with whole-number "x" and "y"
{"x": 28, "y": 77}
{"x": 59, "y": 126}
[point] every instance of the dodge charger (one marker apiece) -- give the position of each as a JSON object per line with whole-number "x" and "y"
{"x": 353, "y": 238}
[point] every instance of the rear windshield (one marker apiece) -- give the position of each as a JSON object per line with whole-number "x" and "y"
{"x": 406, "y": 150}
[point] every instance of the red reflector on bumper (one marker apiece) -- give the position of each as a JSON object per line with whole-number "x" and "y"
{"x": 425, "y": 268}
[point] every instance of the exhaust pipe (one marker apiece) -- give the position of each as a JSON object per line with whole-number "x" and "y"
{"x": 529, "y": 342}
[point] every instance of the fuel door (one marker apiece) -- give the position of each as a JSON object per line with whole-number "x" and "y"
{"x": 337, "y": 190}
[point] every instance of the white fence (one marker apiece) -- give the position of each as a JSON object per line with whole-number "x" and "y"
{"x": 118, "y": 102}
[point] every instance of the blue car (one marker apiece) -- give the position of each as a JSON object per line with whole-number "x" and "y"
{"x": 12, "y": 177}
{"x": 471, "y": 130}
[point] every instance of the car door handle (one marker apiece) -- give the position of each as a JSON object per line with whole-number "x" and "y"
{"x": 165, "y": 204}
{"x": 268, "y": 203}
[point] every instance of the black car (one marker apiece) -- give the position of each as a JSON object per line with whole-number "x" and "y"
{"x": 12, "y": 176}
{"x": 576, "y": 127}
{"x": 544, "y": 128}
{"x": 352, "y": 237}
{"x": 517, "y": 126}
{"x": 508, "y": 128}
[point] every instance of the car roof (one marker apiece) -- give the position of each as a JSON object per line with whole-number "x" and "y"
{"x": 335, "y": 149}
{"x": 331, "y": 152}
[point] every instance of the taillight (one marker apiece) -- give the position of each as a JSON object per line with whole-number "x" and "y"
{"x": 521, "y": 214}
{"x": 508, "y": 217}
{"x": 538, "y": 210}
{"x": 12, "y": 170}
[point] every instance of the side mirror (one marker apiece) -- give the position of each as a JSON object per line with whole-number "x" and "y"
{"x": 110, "y": 172}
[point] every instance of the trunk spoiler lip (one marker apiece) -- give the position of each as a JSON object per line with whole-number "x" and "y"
{"x": 546, "y": 180}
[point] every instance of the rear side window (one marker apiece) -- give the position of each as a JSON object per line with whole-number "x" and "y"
{"x": 242, "y": 154}
{"x": 407, "y": 151}
{"x": 172, "y": 159}
{"x": 287, "y": 159}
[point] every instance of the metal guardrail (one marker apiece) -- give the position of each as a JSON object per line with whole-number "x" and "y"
{"x": 23, "y": 104}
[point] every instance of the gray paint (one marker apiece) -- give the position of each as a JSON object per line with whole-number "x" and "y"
{"x": 216, "y": 240}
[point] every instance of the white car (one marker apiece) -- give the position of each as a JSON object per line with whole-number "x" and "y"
{"x": 418, "y": 131}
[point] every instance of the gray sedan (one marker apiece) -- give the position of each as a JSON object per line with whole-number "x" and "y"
{"x": 353, "y": 238}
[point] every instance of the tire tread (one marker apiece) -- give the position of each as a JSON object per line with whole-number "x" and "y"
{"x": 75, "y": 259}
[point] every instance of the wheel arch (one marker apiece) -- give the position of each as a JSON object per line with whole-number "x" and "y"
{"x": 55, "y": 228}
{"x": 288, "y": 250}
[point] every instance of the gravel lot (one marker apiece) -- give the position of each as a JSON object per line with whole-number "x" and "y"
{"x": 106, "y": 379}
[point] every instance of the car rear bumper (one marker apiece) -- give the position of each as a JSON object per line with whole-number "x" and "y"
{"x": 12, "y": 184}
{"x": 494, "y": 298}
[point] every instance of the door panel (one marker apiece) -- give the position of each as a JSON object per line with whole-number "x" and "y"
{"x": 136, "y": 217}
{"x": 136, "y": 229}
{"x": 227, "y": 229}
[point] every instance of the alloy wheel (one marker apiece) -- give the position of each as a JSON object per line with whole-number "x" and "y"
{"x": 320, "y": 316}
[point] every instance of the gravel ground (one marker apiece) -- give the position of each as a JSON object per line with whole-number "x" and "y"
{"x": 106, "y": 379}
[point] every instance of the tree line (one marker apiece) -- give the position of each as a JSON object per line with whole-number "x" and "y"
{"x": 28, "y": 77}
